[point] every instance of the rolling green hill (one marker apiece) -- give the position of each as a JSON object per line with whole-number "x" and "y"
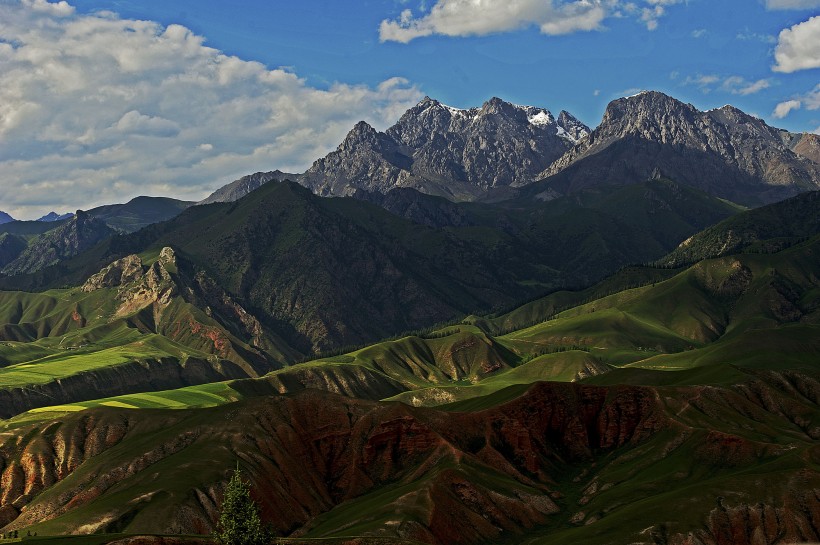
{"x": 766, "y": 229}
{"x": 325, "y": 273}
{"x": 577, "y": 417}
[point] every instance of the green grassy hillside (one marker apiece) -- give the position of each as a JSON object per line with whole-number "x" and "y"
{"x": 578, "y": 417}
{"x": 325, "y": 273}
{"x": 766, "y": 229}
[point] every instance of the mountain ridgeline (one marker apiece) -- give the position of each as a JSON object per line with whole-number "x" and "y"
{"x": 698, "y": 388}
{"x": 325, "y": 273}
{"x": 502, "y": 151}
{"x": 623, "y": 355}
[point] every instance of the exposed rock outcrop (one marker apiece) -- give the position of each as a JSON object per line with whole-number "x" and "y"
{"x": 436, "y": 149}
{"x": 65, "y": 241}
{"x": 725, "y": 152}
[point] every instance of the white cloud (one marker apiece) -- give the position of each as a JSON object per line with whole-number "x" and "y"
{"x": 739, "y": 86}
{"x": 735, "y": 85}
{"x": 134, "y": 122}
{"x": 798, "y": 47}
{"x": 783, "y": 109}
{"x": 809, "y": 101}
{"x": 482, "y": 17}
{"x": 95, "y": 109}
{"x": 792, "y": 4}
{"x": 748, "y": 35}
{"x": 699, "y": 33}
{"x": 60, "y": 9}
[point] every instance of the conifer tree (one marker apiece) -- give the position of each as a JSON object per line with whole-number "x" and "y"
{"x": 239, "y": 522}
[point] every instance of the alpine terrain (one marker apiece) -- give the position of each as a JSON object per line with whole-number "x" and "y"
{"x": 491, "y": 325}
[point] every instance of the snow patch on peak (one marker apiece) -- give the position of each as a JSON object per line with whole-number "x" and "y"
{"x": 542, "y": 119}
{"x": 472, "y": 113}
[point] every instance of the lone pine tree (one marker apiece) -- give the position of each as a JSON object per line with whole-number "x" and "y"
{"x": 239, "y": 522}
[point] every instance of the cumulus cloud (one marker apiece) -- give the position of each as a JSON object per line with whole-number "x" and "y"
{"x": 792, "y": 4}
{"x": 96, "y": 109}
{"x": 783, "y": 109}
{"x": 482, "y": 17}
{"x": 809, "y": 101}
{"x": 798, "y": 47}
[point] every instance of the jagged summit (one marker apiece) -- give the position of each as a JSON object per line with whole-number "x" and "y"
{"x": 725, "y": 152}
{"x": 490, "y": 152}
{"x": 460, "y": 154}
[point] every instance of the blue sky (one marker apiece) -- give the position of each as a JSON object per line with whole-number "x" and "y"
{"x": 178, "y": 97}
{"x": 581, "y": 71}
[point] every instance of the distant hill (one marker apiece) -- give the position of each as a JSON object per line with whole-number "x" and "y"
{"x": 11, "y": 246}
{"x": 54, "y": 216}
{"x": 65, "y": 241}
{"x": 766, "y": 229}
{"x": 244, "y": 185}
{"x": 139, "y": 212}
{"x": 325, "y": 273}
{"x": 5, "y": 218}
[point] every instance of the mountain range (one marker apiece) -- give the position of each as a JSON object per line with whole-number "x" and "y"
{"x": 695, "y": 387}
{"x": 490, "y": 325}
{"x": 501, "y": 151}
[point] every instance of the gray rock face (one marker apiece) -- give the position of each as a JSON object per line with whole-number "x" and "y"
{"x": 724, "y": 152}
{"x": 244, "y": 185}
{"x": 808, "y": 146}
{"x": 439, "y": 150}
{"x": 138, "y": 286}
{"x": 118, "y": 273}
{"x": 366, "y": 159}
{"x": 63, "y": 242}
{"x": 458, "y": 154}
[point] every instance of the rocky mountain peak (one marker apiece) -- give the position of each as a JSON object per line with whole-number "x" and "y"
{"x": 725, "y": 151}
{"x": 572, "y": 127}
{"x": 648, "y": 112}
{"x": 438, "y": 149}
{"x": 497, "y": 106}
{"x": 361, "y": 133}
{"x": 808, "y": 146}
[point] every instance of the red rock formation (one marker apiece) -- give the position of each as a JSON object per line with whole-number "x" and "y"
{"x": 458, "y": 478}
